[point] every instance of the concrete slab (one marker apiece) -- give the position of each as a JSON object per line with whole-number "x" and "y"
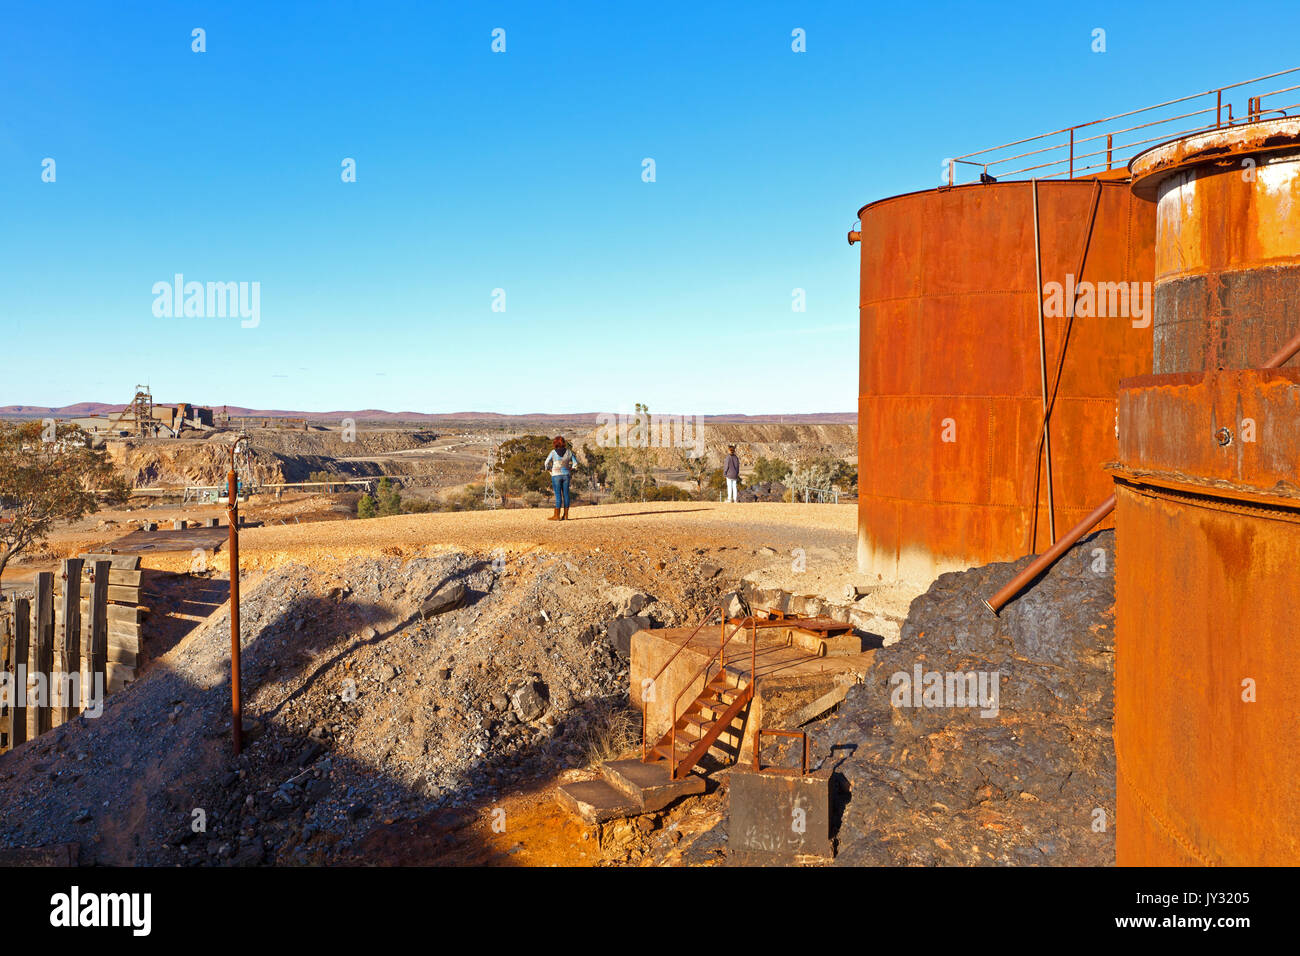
{"x": 595, "y": 801}
{"x": 649, "y": 784}
{"x": 778, "y": 817}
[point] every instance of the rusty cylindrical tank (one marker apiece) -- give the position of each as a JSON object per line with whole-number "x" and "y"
{"x": 950, "y": 404}
{"x": 1207, "y": 674}
{"x": 1227, "y": 259}
{"x": 1207, "y": 679}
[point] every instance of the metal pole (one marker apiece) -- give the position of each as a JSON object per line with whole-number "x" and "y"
{"x": 232, "y": 514}
{"x": 1042, "y": 368}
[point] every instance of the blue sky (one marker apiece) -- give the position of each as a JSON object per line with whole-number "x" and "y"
{"x": 520, "y": 171}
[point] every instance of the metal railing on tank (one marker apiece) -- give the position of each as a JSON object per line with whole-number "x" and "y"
{"x": 1099, "y": 146}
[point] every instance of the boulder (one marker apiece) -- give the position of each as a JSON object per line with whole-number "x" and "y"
{"x": 619, "y": 633}
{"x": 628, "y": 602}
{"x": 528, "y": 699}
{"x": 446, "y": 598}
{"x": 733, "y": 605}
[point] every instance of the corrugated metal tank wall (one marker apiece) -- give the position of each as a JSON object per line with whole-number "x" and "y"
{"x": 949, "y": 349}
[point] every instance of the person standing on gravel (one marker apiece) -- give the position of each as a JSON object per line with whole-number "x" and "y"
{"x": 560, "y": 462}
{"x": 731, "y": 471}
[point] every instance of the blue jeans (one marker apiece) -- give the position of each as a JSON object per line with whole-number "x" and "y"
{"x": 561, "y": 485}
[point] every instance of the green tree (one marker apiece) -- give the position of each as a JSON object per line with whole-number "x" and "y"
{"x": 389, "y": 499}
{"x": 49, "y": 473}
{"x": 366, "y": 507}
{"x": 519, "y": 462}
{"x": 696, "y": 468}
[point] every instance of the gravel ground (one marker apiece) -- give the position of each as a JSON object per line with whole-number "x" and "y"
{"x": 362, "y": 711}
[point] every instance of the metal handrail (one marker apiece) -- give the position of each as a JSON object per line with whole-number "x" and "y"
{"x": 752, "y": 622}
{"x": 708, "y": 616}
{"x": 987, "y": 158}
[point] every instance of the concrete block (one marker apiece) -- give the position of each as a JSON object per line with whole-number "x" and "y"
{"x": 776, "y": 818}
{"x": 595, "y": 801}
{"x": 649, "y": 784}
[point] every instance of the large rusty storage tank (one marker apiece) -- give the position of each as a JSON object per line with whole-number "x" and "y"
{"x": 1227, "y": 256}
{"x": 1207, "y": 678}
{"x": 950, "y": 406}
{"x": 1207, "y": 674}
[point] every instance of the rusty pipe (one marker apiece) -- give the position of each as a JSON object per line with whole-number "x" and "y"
{"x": 854, "y": 236}
{"x": 1050, "y": 556}
{"x": 1284, "y": 354}
{"x": 232, "y": 515}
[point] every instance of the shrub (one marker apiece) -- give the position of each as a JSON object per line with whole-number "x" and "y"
{"x": 769, "y": 469}
{"x": 366, "y": 507}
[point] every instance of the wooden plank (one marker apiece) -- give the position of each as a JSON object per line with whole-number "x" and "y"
{"x": 117, "y": 613}
{"x": 124, "y": 632}
{"x": 129, "y": 579}
{"x": 121, "y": 612}
{"x": 122, "y": 655}
{"x": 43, "y": 648}
{"x": 98, "y": 624}
{"x": 116, "y": 593}
{"x": 118, "y": 676}
{"x": 70, "y": 648}
{"x": 128, "y": 644}
{"x": 122, "y": 562}
{"x": 22, "y": 635}
{"x": 6, "y": 657}
{"x": 117, "y": 670}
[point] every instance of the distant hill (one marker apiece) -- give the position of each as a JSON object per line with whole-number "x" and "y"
{"x": 85, "y": 409}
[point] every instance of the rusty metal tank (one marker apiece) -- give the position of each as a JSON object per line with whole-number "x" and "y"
{"x": 950, "y": 403}
{"x": 1227, "y": 255}
{"x": 1207, "y": 677}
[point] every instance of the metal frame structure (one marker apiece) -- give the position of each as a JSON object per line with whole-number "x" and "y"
{"x": 1084, "y": 154}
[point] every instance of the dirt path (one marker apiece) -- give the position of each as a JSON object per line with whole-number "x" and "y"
{"x": 651, "y": 527}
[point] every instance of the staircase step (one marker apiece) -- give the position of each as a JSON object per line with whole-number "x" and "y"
{"x": 595, "y": 801}
{"x": 665, "y": 750}
{"x": 648, "y": 784}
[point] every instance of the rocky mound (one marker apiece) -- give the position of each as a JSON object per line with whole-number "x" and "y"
{"x": 375, "y": 690}
{"x": 1022, "y": 770}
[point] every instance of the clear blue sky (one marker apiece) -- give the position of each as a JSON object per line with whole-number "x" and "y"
{"x": 520, "y": 171}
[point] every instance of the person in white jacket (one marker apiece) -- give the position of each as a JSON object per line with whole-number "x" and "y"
{"x": 560, "y": 463}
